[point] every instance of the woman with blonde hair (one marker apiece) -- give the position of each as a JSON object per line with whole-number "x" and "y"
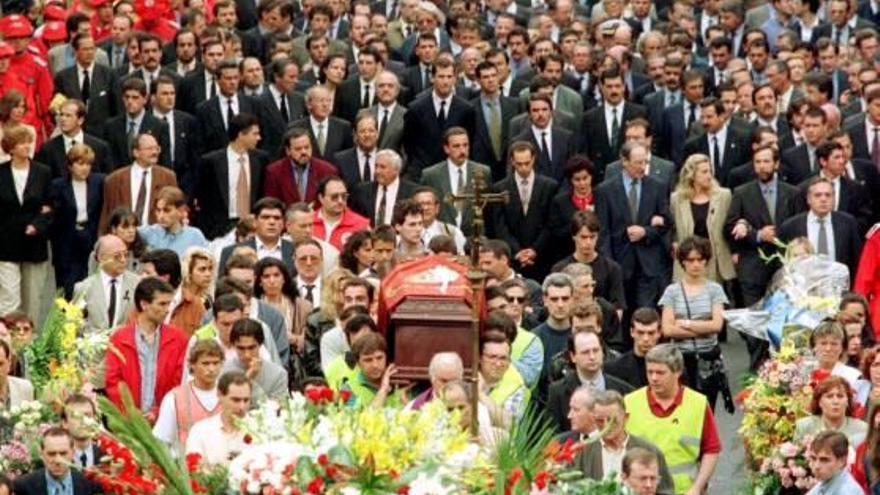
{"x": 193, "y": 299}
{"x": 699, "y": 207}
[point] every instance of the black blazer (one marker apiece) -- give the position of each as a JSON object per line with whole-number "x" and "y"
{"x": 530, "y": 230}
{"x": 253, "y": 44}
{"x": 286, "y": 254}
{"x": 748, "y": 204}
{"x": 595, "y": 137}
{"x": 347, "y": 163}
{"x": 561, "y": 390}
{"x": 214, "y": 135}
{"x": 191, "y": 92}
{"x": 412, "y": 79}
{"x": 562, "y": 146}
{"x": 423, "y": 135}
{"x": 52, "y": 154}
{"x": 64, "y": 232}
{"x": 272, "y": 124}
{"x": 246, "y": 11}
{"x": 34, "y": 210}
{"x": 847, "y": 241}
{"x": 612, "y": 208}
{"x": 339, "y": 136}
{"x": 364, "y": 196}
{"x": 481, "y": 143}
{"x": 349, "y": 98}
{"x": 102, "y": 103}
{"x": 116, "y": 135}
{"x": 674, "y": 134}
{"x": 187, "y": 150}
{"x": 860, "y": 138}
{"x": 736, "y": 151}
{"x": 35, "y": 484}
{"x": 560, "y": 223}
{"x": 795, "y": 167}
{"x": 212, "y": 190}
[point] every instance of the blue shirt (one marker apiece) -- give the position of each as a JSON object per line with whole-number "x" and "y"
{"x": 157, "y": 237}
{"x": 628, "y": 183}
{"x": 148, "y": 358}
{"x": 64, "y": 486}
{"x": 487, "y": 110}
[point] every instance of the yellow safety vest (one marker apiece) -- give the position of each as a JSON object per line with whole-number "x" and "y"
{"x": 510, "y": 382}
{"x": 677, "y": 435}
{"x": 523, "y": 340}
{"x": 338, "y": 372}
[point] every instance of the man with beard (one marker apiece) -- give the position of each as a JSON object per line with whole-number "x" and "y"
{"x": 295, "y": 178}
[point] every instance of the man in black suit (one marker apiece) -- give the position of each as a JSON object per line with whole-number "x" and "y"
{"x": 842, "y": 24}
{"x": 184, "y": 49}
{"x": 832, "y": 233}
{"x": 756, "y": 211}
{"x": 430, "y": 116}
{"x": 634, "y": 214}
{"x": 679, "y": 120}
{"x": 220, "y": 205}
{"x": 376, "y": 199}
{"x": 184, "y": 145}
{"x": 53, "y": 153}
{"x": 389, "y": 113}
{"x": 492, "y": 114}
{"x": 865, "y": 130}
{"x": 359, "y": 92}
{"x": 121, "y": 132}
{"x": 645, "y": 332}
{"x": 656, "y": 102}
{"x": 358, "y": 164}
{"x": 201, "y": 85}
{"x": 78, "y": 411}
{"x": 91, "y": 83}
{"x": 418, "y": 77}
{"x": 720, "y": 141}
{"x": 216, "y": 113}
{"x": 521, "y": 221}
{"x": 267, "y": 242}
{"x": 56, "y": 452}
{"x": 859, "y": 170}
{"x": 603, "y": 126}
{"x": 115, "y": 46}
{"x": 553, "y": 143}
{"x": 329, "y": 134}
{"x": 767, "y": 114}
{"x": 151, "y": 61}
{"x": 800, "y": 163}
{"x": 281, "y": 106}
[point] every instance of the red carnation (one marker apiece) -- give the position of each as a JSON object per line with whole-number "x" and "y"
{"x": 322, "y": 460}
{"x": 248, "y": 439}
{"x": 404, "y": 490}
{"x": 344, "y": 395}
{"x": 331, "y": 471}
{"x": 193, "y": 459}
{"x": 315, "y": 486}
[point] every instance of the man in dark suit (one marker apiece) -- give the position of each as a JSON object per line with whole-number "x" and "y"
{"x": 56, "y": 452}
{"x": 184, "y": 145}
{"x": 418, "y": 77}
{"x": 91, "y": 83}
{"x": 767, "y": 114}
{"x": 639, "y": 130}
{"x": 359, "y": 92}
{"x": 430, "y": 116}
{"x": 115, "y": 45}
{"x": 220, "y": 205}
{"x": 645, "y": 332}
{"x": 78, "y": 411}
{"x": 199, "y": 86}
{"x": 295, "y": 177}
{"x": 53, "y": 153}
{"x": 150, "y": 47}
{"x": 679, "y": 120}
{"x": 357, "y": 164}
{"x": 521, "y": 221}
{"x": 492, "y": 115}
{"x": 586, "y": 352}
{"x": 121, "y": 132}
{"x": 553, "y": 144}
{"x": 267, "y": 242}
{"x": 216, "y": 113}
{"x": 756, "y": 211}
{"x": 720, "y": 141}
{"x": 832, "y": 233}
{"x": 603, "y": 126}
{"x": 865, "y": 130}
{"x": 800, "y": 163}
{"x": 281, "y": 106}
{"x": 388, "y": 112}
{"x": 841, "y": 26}
{"x": 376, "y": 199}
{"x": 634, "y": 214}
{"x": 656, "y": 102}
{"x": 329, "y": 134}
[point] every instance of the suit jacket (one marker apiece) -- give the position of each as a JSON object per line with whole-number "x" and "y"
{"x": 612, "y": 208}
{"x": 660, "y": 169}
{"x": 102, "y": 103}
{"x": 736, "y": 151}
{"x": 852, "y": 200}
{"x": 529, "y": 230}
{"x": 481, "y": 145}
{"x": 392, "y": 136}
{"x": 191, "y": 92}
{"x": 246, "y": 12}
{"x": 174, "y": 76}
{"x": 795, "y": 167}
{"x": 52, "y": 154}
{"x": 116, "y": 135}
{"x": 339, "y": 136}
{"x": 35, "y": 484}
{"x": 847, "y": 240}
{"x": 280, "y": 181}
{"x": 349, "y": 98}
{"x": 720, "y": 266}
{"x": 520, "y": 123}
{"x": 64, "y": 230}
{"x": 34, "y": 209}
{"x": 91, "y": 291}
{"x": 286, "y": 253}
{"x": 273, "y": 126}
{"x": 825, "y": 30}
{"x": 212, "y": 190}
{"x": 117, "y": 191}
{"x": 423, "y": 134}
{"x": 214, "y": 134}
{"x": 860, "y": 138}
{"x": 589, "y": 461}
{"x": 437, "y": 177}
{"x": 364, "y": 197}
{"x": 187, "y": 149}
{"x": 561, "y": 390}
{"x": 349, "y": 168}
{"x": 562, "y": 147}
{"x": 673, "y": 134}
{"x": 567, "y": 100}
{"x": 595, "y": 131}
{"x": 107, "y": 46}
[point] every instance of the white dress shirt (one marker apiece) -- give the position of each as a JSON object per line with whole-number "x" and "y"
{"x": 81, "y": 198}
{"x": 721, "y": 136}
{"x": 813, "y": 233}
{"x": 137, "y": 172}
{"x": 234, "y": 169}
{"x": 390, "y": 199}
{"x": 224, "y": 106}
{"x": 869, "y": 133}
{"x": 371, "y": 84}
{"x": 267, "y": 251}
{"x": 79, "y": 138}
{"x": 361, "y": 157}
{"x": 105, "y": 283}
{"x": 609, "y": 118}
{"x": 452, "y": 170}
{"x": 316, "y": 290}
{"x": 168, "y": 118}
{"x": 210, "y": 81}
{"x": 79, "y": 74}
{"x": 315, "y": 123}
{"x": 437, "y": 99}
{"x": 547, "y": 134}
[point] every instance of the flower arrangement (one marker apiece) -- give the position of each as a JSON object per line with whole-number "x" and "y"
{"x": 21, "y": 430}
{"x": 786, "y": 471}
{"x": 15, "y": 459}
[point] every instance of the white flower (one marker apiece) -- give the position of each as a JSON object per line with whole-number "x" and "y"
{"x": 350, "y": 490}
{"x": 425, "y": 485}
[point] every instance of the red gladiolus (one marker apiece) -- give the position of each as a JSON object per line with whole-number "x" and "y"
{"x": 344, "y": 395}
{"x": 404, "y": 490}
{"x": 326, "y": 394}
{"x": 543, "y": 478}
{"x": 322, "y": 460}
{"x": 315, "y": 486}
{"x": 512, "y": 479}
{"x": 193, "y": 459}
{"x": 332, "y": 471}
{"x": 196, "y": 487}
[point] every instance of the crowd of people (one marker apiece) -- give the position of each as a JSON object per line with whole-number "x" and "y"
{"x": 226, "y": 183}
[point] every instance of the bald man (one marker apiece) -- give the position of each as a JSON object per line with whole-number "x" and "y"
{"x": 109, "y": 293}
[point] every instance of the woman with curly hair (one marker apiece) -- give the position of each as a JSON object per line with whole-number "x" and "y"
{"x": 357, "y": 254}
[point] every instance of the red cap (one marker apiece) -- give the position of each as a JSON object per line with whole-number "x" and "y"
{"x": 54, "y": 31}
{"x": 17, "y": 26}
{"x": 6, "y": 49}
{"x": 98, "y": 3}
{"x": 151, "y": 10}
{"x": 54, "y": 12}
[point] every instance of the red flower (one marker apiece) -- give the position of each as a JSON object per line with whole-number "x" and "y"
{"x": 322, "y": 460}
{"x": 332, "y": 471}
{"x": 543, "y": 478}
{"x": 193, "y": 459}
{"x": 818, "y": 376}
{"x": 344, "y": 395}
{"x": 404, "y": 490}
{"x": 315, "y": 486}
{"x": 319, "y": 395}
{"x": 248, "y": 439}
{"x": 326, "y": 394}
{"x": 512, "y": 479}
{"x": 196, "y": 487}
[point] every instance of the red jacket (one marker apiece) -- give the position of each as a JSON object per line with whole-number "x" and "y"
{"x": 123, "y": 365}
{"x": 350, "y": 223}
{"x": 867, "y": 278}
{"x": 280, "y": 182}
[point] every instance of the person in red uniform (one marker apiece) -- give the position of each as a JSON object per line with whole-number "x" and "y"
{"x": 29, "y": 74}
{"x": 867, "y": 281}
{"x": 101, "y": 19}
{"x": 156, "y": 17}
{"x": 334, "y": 221}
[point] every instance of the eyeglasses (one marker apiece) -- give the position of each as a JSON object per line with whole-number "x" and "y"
{"x": 516, "y": 299}
{"x": 338, "y": 196}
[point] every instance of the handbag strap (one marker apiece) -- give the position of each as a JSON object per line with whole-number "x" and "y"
{"x": 687, "y": 307}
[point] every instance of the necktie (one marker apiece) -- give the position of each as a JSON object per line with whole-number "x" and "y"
{"x": 633, "y": 199}
{"x": 545, "y": 149}
{"x": 380, "y": 213}
{"x": 769, "y": 200}
{"x": 83, "y": 460}
{"x": 132, "y": 133}
{"x": 302, "y": 182}
{"x": 875, "y": 149}
{"x": 310, "y": 293}
{"x": 838, "y": 32}
{"x": 242, "y": 190}
{"x": 366, "y": 101}
{"x": 812, "y": 154}
{"x": 524, "y": 195}
{"x": 322, "y": 139}
{"x": 213, "y": 87}
{"x": 285, "y": 115}
{"x": 383, "y": 125}
{"x": 822, "y": 244}
{"x": 615, "y": 130}
{"x": 716, "y": 156}
{"x": 408, "y": 30}
{"x": 118, "y": 57}
{"x": 441, "y": 115}
{"x": 141, "y": 203}
{"x": 148, "y": 79}
{"x": 495, "y": 128}
{"x": 426, "y": 78}
{"x": 170, "y": 135}
{"x": 368, "y": 174}
{"x": 86, "y": 87}
{"x": 692, "y": 116}
{"x": 111, "y": 308}
{"x": 229, "y": 112}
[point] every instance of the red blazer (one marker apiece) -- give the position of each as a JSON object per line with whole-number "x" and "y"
{"x": 280, "y": 183}
{"x": 867, "y": 278}
{"x": 123, "y": 366}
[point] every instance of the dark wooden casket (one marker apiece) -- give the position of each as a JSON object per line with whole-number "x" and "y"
{"x": 425, "y": 308}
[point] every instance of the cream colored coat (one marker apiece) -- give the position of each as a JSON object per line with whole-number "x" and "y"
{"x": 720, "y": 267}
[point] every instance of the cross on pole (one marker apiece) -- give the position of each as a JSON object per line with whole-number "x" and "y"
{"x": 479, "y": 198}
